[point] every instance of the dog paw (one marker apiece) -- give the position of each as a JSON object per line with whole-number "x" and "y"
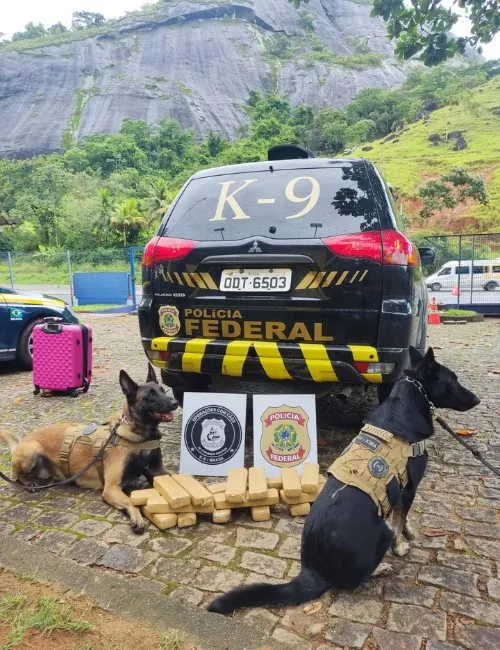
{"x": 401, "y": 549}
{"x": 137, "y": 527}
{"x": 383, "y": 569}
{"x": 408, "y": 532}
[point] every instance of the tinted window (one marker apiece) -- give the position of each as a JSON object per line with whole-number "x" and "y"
{"x": 446, "y": 271}
{"x": 479, "y": 269}
{"x": 283, "y": 204}
{"x": 462, "y": 270}
{"x": 496, "y": 268}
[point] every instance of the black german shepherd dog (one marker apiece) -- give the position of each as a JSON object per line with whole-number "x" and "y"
{"x": 344, "y": 538}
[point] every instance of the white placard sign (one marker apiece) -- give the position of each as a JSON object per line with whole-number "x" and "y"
{"x": 284, "y": 432}
{"x": 213, "y": 433}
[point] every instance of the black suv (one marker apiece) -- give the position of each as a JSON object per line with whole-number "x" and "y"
{"x": 292, "y": 269}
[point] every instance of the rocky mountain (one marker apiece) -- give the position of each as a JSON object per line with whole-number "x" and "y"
{"x": 192, "y": 60}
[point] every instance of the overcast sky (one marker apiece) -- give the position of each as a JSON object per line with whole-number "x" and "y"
{"x": 14, "y": 14}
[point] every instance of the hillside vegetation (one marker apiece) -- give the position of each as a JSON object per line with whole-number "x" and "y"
{"x": 408, "y": 158}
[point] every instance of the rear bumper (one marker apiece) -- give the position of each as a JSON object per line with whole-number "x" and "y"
{"x": 274, "y": 361}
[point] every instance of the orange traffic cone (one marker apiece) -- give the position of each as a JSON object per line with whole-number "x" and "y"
{"x": 433, "y": 317}
{"x": 455, "y": 291}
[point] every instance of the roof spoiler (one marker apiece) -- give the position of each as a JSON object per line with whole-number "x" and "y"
{"x": 288, "y": 152}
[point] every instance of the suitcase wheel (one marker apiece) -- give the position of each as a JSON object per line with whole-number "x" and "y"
{"x": 73, "y": 392}
{"x": 86, "y": 387}
{"x": 37, "y": 390}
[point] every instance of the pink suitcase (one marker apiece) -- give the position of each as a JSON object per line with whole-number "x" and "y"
{"x": 62, "y": 357}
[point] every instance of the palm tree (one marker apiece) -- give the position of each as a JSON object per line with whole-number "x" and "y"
{"x": 127, "y": 217}
{"x": 105, "y": 208}
{"x": 159, "y": 199}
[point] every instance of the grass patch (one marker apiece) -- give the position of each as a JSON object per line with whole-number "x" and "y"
{"x": 89, "y": 308}
{"x": 458, "y": 312}
{"x": 44, "y": 614}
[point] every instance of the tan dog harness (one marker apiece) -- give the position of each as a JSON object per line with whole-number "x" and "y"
{"x": 372, "y": 460}
{"x": 95, "y": 436}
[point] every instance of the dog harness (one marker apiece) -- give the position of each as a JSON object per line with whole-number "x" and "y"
{"x": 372, "y": 460}
{"x": 95, "y": 436}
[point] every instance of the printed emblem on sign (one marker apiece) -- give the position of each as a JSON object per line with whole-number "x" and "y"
{"x": 285, "y": 438}
{"x": 378, "y": 467}
{"x": 16, "y": 313}
{"x": 169, "y": 320}
{"x": 213, "y": 435}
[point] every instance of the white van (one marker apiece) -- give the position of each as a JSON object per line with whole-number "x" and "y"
{"x": 479, "y": 274}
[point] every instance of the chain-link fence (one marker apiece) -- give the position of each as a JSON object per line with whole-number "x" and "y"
{"x": 466, "y": 273}
{"x": 92, "y": 278}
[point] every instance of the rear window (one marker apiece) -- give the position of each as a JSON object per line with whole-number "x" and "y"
{"x": 283, "y": 204}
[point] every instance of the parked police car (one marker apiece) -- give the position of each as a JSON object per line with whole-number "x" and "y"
{"x": 292, "y": 269}
{"x": 20, "y": 311}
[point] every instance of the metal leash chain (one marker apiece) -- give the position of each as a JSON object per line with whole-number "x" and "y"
{"x": 444, "y": 425}
{"x": 66, "y": 481}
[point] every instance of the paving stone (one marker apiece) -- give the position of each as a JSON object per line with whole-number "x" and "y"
{"x": 480, "y": 610}
{"x": 345, "y": 633}
{"x": 5, "y": 528}
{"x": 20, "y": 514}
{"x": 418, "y": 555}
{"x": 57, "y": 519}
{"x": 493, "y": 588}
{"x": 417, "y": 620}
{"x": 124, "y": 535}
{"x": 258, "y": 563}
{"x": 434, "y": 508}
{"x": 423, "y": 541}
{"x": 126, "y": 558}
{"x": 253, "y": 578}
{"x": 248, "y": 538}
{"x": 284, "y": 636}
{"x": 294, "y": 570}
{"x": 289, "y": 527}
{"x": 153, "y": 586}
{"x": 86, "y": 551}
{"x": 405, "y": 592}
{"x": 477, "y": 637}
{"x": 214, "y": 579}
{"x": 453, "y": 579}
{"x": 302, "y": 623}
{"x": 216, "y": 552}
{"x": 188, "y": 595}
{"x": 245, "y": 520}
{"x": 262, "y": 619}
{"x": 441, "y": 645}
{"x": 61, "y": 503}
{"x": 477, "y": 514}
{"x": 94, "y": 507}
{"x": 55, "y": 541}
{"x": 431, "y": 521}
{"x": 169, "y": 545}
{"x": 465, "y": 562}
{"x": 27, "y": 533}
{"x": 407, "y": 571}
{"x": 482, "y": 530}
{"x": 91, "y": 527}
{"x": 387, "y": 640}
{"x": 181, "y": 571}
{"x": 290, "y": 548}
{"x": 485, "y": 547}
{"x": 356, "y": 609}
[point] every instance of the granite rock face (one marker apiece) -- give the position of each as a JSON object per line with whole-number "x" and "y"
{"x": 191, "y": 60}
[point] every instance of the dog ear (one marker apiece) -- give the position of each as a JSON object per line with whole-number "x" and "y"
{"x": 415, "y": 356}
{"x": 129, "y": 387}
{"x": 151, "y": 374}
{"x": 429, "y": 356}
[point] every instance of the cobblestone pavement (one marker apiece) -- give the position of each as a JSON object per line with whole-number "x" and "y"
{"x": 445, "y": 594}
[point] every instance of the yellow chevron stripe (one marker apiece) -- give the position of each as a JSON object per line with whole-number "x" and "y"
{"x": 178, "y": 278}
{"x": 208, "y": 281}
{"x": 306, "y": 281}
{"x": 356, "y": 273}
{"x": 188, "y": 280}
{"x": 363, "y": 276}
{"x": 342, "y": 278}
{"x": 329, "y": 279}
{"x": 369, "y": 354}
{"x": 271, "y": 360}
{"x": 318, "y": 362}
{"x": 198, "y": 279}
{"x": 23, "y": 300}
{"x": 317, "y": 280}
{"x": 193, "y": 355}
{"x": 161, "y": 343}
{"x": 235, "y": 357}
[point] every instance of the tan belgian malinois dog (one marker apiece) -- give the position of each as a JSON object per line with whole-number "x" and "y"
{"x": 59, "y": 451}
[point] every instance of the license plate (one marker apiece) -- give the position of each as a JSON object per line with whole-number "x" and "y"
{"x": 263, "y": 280}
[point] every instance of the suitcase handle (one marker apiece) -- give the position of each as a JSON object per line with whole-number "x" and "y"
{"x": 52, "y": 325}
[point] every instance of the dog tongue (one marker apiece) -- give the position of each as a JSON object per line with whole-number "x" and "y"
{"x": 164, "y": 417}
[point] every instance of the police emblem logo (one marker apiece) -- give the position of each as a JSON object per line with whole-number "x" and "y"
{"x": 285, "y": 440}
{"x": 378, "y": 467}
{"x": 213, "y": 435}
{"x": 169, "y": 320}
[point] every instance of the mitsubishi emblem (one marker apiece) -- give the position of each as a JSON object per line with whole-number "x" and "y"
{"x": 255, "y": 248}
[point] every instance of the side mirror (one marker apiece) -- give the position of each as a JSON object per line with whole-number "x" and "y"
{"x": 427, "y": 255}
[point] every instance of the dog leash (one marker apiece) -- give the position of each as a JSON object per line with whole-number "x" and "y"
{"x": 444, "y": 425}
{"x": 66, "y": 481}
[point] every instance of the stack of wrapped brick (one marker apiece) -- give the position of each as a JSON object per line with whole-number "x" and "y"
{"x": 175, "y": 500}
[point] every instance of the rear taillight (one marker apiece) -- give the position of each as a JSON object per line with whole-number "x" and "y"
{"x": 367, "y": 368}
{"x": 388, "y": 246}
{"x": 166, "y": 249}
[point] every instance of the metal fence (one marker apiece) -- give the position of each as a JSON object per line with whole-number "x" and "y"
{"x": 466, "y": 273}
{"x": 78, "y": 277}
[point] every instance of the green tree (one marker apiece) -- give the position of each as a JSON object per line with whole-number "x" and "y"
{"x": 159, "y": 199}
{"x": 31, "y": 30}
{"x": 215, "y": 143}
{"x": 452, "y": 189}
{"x": 86, "y": 19}
{"x": 127, "y": 219}
{"x": 57, "y": 28}
{"x": 425, "y": 26}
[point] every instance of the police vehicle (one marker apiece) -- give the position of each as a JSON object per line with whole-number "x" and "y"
{"x": 295, "y": 269}
{"x": 20, "y": 311}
